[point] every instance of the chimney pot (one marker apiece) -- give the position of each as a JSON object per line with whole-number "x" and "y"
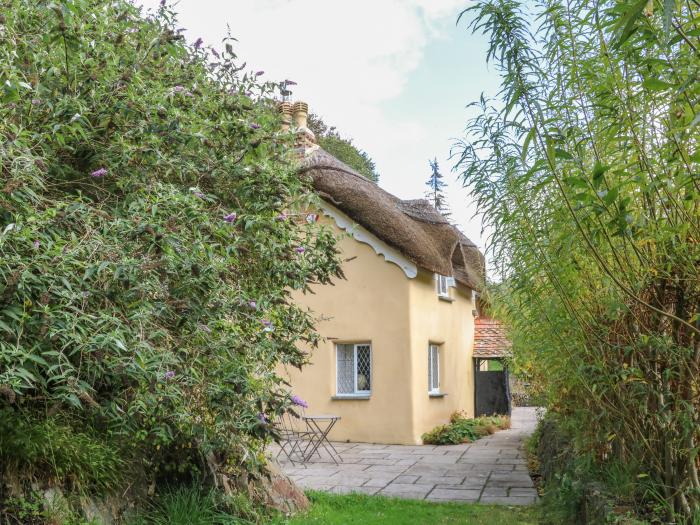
{"x": 285, "y": 109}
{"x": 300, "y": 110}
{"x": 305, "y": 141}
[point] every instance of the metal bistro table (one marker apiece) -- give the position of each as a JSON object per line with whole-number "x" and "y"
{"x": 320, "y": 427}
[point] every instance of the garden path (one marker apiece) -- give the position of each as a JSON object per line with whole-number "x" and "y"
{"x": 490, "y": 470}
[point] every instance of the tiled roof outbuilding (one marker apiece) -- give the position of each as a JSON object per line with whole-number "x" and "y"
{"x": 490, "y": 339}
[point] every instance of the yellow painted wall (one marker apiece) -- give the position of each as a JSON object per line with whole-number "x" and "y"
{"x": 371, "y": 305}
{"x": 378, "y": 303}
{"x": 451, "y": 325}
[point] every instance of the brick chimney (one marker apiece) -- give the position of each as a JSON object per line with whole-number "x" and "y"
{"x": 298, "y": 113}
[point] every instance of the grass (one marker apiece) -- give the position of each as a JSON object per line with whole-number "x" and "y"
{"x": 192, "y": 505}
{"x": 360, "y": 509}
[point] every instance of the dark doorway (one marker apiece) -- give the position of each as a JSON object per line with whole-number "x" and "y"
{"x": 491, "y": 390}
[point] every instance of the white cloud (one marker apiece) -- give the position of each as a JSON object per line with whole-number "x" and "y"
{"x": 350, "y": 59}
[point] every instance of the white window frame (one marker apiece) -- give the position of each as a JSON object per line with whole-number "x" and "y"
{"x": 443, "y": 285}
{"x": 356, "y": 393}
{"x": 431, "y": 373}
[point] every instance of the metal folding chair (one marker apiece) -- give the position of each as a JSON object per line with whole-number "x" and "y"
{"x": 295, "y": 437}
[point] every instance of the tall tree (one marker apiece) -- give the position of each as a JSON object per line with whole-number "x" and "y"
{"x": 436, "y": 187}
{"x": 342, "y": 148}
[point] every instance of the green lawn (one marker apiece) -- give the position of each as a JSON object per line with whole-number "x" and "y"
{"x": 328, "y": 509}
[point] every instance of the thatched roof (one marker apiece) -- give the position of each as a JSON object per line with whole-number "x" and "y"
{"x": 490, "y": 339}
{"x": 413, "y": 227}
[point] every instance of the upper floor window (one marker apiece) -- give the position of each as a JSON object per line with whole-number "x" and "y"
{"x": 443, "y": 285}
{"x": 353, "y": 369}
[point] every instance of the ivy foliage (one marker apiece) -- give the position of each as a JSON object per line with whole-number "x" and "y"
{"x": 586, "y": 167}
{"x": 151, "y": 233}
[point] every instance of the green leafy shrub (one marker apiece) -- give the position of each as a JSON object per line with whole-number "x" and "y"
{"x": 151, "y": 233}
{"x": 586, "y": 170}
{"x": 34, "y": 446}
{"x": 465, "y": 430}
{"x": 33, "y": 510}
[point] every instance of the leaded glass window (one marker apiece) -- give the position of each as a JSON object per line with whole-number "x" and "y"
{"x": 353, "y": 369}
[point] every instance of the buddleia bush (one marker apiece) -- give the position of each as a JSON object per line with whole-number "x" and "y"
{"x": 151, "y": 232}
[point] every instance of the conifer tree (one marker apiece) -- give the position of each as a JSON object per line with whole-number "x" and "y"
{"x": 436, "y": 186}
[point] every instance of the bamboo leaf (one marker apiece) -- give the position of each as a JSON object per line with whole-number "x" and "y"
{"x": 610, "y": 196}
{"x": 628, "y": 22}
{"x": 598, "y": 172}
{"x": 654, "y": 84}
{"x": 669, "y": 6}
{"x": 526, "y": 144}
{"x": 561, "y": 154}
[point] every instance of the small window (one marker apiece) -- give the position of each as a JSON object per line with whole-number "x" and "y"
{"x": 353, "y": 369}
{"x": 443, "y": 288}
{"x": 434, "y": 369}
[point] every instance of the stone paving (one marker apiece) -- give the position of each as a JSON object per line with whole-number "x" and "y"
{"x": 490, "y": 470}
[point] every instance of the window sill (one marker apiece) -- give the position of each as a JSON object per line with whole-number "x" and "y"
{"x": 363, "y": 397}
{"x": 437, "y": 394}
{"x": 446, "y": 298}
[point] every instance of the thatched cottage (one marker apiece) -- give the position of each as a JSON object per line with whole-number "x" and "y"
{"x": 399, "y": 330}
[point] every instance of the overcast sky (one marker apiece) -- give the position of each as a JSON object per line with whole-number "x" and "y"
{"x": 393, "y": 75}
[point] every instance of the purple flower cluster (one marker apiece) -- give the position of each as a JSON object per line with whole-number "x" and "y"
{"x": 169, "y": 374}
{"x": 255, "y": 126}
{"x": 253, "y": 305}
{"x": 259, "y": 73}
{"x": 178, "y": 89}
{"x": 99, "y": 173}
{"x": 300, "y": 249}
{"x": 299, "y": 402}
{"x": 282, "y": 217}
{"x": 198, "y": 43}
{"x": 36, "y": 244}
{"x": 231, "y": 217}
{"x": 262, "y": 418}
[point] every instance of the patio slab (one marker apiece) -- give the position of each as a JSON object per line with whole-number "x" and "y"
{"x": 491, "y": 470}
